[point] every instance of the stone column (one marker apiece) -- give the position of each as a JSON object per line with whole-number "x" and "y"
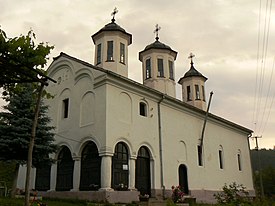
{"x": 106, "y": 171}
{"x": 132, "y": 173}
{"x": 53, "y": 177}
{"x": 76, "y": 175}
{"x": 33, "y": 177}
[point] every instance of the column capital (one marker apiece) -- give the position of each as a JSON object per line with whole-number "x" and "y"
{"x": 106, "y": 154}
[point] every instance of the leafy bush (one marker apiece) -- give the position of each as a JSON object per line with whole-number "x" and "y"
{"x": 234, "y": 194}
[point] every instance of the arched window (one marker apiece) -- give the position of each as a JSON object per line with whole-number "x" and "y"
{"x": 65, "y": 168}
{"x": 143, "y": 109}
{"x": 221, "y": 158}
{"x": 120, "y": 170}
{"x": 239, "y": 159}
{"x": 90, "y": 168}
{"x": 143, "y": 176}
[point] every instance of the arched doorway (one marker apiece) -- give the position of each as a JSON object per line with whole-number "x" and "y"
{"x": 90, "y": 168}
{"x": 143, "y": 175}
{"x": 183, "y": 179}
{"x": 120, "y": 169}
{"x": 65, "y": 168}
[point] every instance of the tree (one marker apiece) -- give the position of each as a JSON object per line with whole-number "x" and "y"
{"x": 21, "y": 60}
{"x": 15, "y": 128}
{"x": 16, "y": 125}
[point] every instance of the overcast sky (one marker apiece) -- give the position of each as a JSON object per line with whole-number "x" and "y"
{"x": 223, "y": 35}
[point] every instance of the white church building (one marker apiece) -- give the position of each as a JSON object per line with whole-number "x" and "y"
{"x": 119, "y": 138}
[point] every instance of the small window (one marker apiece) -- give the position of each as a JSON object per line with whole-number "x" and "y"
{"x": 98, "y": 57}
{"x": 142, "y": 109}
{"x": 203, "y": 93}
{"x": 148, "y": 68}
{"x": 221, "y": 158}
{"x": 110, "y": 52}
{"x": 160, "y": 68}
{"x": 197, "y": 90}
{"x": 65, "y": 108}
{"x": 122, "y": 53}
{"x": 171, "y": 70}
{"x": 188, "y": 93}
{"x": 199, "y": 155}
{"x": 239, "y": 161}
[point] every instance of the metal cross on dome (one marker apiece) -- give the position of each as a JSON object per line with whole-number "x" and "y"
{"x": 114, "y": 13}
{"x": 157, "y": 31}
{"x": 191, "y": 56}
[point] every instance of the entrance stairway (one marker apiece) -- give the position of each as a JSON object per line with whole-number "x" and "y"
{"x": 155, "y": 202}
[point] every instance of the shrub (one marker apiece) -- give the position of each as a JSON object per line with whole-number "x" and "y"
{"x": 234, "y": 194}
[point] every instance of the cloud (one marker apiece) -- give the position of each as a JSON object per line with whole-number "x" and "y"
{"x": 222, "y": 34}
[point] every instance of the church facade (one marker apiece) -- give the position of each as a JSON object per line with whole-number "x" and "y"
{"x": 119, "y": 139}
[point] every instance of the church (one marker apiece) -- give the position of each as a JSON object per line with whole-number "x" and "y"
{"x": 119, "y": 139}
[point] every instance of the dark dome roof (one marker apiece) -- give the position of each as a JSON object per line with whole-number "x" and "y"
{"x": 157, "y": 45}
{"x": 112, "y": 26}
{"x": 193, "y": 72}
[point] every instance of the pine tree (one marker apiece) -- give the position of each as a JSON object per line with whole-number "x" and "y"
{"x": 16, "y": 124}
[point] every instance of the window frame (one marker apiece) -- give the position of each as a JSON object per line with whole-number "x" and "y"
{"x": 122, "y": 53}
{"x": 98, "y": 54}
{"x": 203, "y": 93}
{"x": 239, "y": 160}
{"x": 197, "y": 92}
{"x": 65, "y": 108}
{"x": 143, "y": 109}
{"x": 110, "y": 51}
{"x": 171, "y": 69}
{"x": 221, "y": 158}
{"x": 148, "y": 68}
{"x": 160, "y": 67}
{"x": 188, "y": 92}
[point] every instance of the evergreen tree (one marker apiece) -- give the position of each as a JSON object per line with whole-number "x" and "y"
{"x": 16, "y": 125}
{"x": 15, "y": 128}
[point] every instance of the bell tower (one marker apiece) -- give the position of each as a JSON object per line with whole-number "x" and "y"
{"x": 193, "y": 86}
{"x": 111, "y": 47}
{"x": 158, "y": 66}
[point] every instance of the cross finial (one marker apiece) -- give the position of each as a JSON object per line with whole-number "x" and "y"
{"x": 191, "y": 56}
{"x": 114, "y": 13}
{"x": 157, "y": 31}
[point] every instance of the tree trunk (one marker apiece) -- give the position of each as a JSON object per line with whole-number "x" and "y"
{"x": 31, "y": 144}
{"x": 14, "y": 183}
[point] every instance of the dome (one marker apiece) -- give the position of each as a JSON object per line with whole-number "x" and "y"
{"x": 157, "y": 45}
{"x": 192, "y": 72}
{"x": 112, "y": 26}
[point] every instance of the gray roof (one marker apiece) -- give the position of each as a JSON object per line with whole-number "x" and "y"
{"x": 157, "y": 45}
{"x": 192, "y": 72}
{"x": 112, "y": 26}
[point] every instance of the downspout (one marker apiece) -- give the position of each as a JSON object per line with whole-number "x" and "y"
{"x": 205, "y": 120}
{"x": 160, "y": 149}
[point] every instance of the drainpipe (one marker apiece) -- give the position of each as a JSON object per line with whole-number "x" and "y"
{"x": 205, "y": 120}
{"x": 160, "y": 148}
